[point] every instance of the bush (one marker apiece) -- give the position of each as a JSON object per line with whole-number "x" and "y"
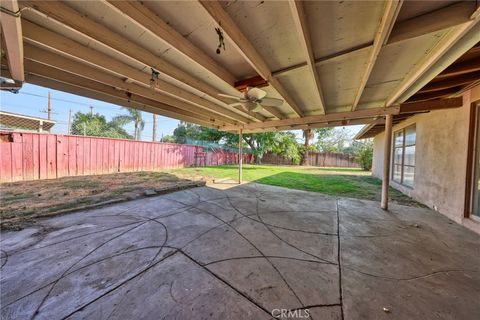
{"x": 364, "y": 155}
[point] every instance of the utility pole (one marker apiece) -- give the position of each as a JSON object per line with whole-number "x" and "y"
{"x": 69, "y": 122}
{"x": 49, "y": 109}
{"x": 154, "y": 131}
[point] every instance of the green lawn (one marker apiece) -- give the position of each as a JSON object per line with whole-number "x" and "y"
{"x": 343, "y": 182}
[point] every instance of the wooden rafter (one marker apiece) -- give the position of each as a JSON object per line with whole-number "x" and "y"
{"x": 460, "y": 68}
{"x": 146, "y": 18}
{"x": 437, "y": 104}
{"x": 451, "y": 82}
{"x": 12, "y": 38}
{"x": 447, "y": 42}
{"x": 303, "y": 32}
{"x": 118, "y": 100}
{"x": 392, "y": 7}
{"x": 42, "y": 37}
{"x": 440, "y": 19}
{"x": 443, "y": 18}
{"x": 34, "y": 68}
{"x": 69, "y": 17}
{"x": 339, "y": 116}
{"x": 216, "y": 12}
{"x": 48, "y": 59}
{"x": 434, "y": 94}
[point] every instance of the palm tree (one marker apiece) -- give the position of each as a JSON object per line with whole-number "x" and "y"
{"x": 134, "y": 116}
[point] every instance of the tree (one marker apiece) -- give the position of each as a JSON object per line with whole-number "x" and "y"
{"x": 282, "y": 143}
{"x": 191, "y": 131}
{"x": 308, "y": 135}
{"x": 333, "y": 139}
{"x": 168, "y": 138}
{"x": 134, "y": 116}
{"x": 96, "y": 125}
{"x": 364, "y": 154}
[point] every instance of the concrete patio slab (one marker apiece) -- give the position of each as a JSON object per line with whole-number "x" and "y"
{"x": 242, "y": 252}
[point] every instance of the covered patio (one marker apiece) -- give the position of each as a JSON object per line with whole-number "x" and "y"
{"x": 242, "y": 252}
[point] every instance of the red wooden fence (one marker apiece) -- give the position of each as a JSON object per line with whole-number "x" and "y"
{"x": 318, "y": 159}
{"x": 34, "y": 156}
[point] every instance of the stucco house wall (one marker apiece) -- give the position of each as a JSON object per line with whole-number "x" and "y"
{"x": 440, "y": 160}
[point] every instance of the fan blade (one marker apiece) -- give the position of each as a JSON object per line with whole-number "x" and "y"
{"x": 271, "y": 102}
{"x": 258, "y": 108}
{"x": 229, "y": 96}
{"x": 256, "y": 94}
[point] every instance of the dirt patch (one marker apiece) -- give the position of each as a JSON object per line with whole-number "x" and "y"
{"x": 27, "y": 200}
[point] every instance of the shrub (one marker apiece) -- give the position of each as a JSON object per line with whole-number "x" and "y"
{"x": 364, "y": 155}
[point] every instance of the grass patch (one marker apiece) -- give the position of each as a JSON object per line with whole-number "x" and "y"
{"x": 343, "y": 182}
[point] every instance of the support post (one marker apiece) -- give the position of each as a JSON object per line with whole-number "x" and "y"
{"x": 386, "y": 161}
{"x": 154, "y": 130}
{"x": 240, "y": 156}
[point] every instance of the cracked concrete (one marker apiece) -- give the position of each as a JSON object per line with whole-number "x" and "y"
{"x": 238, "y": 252}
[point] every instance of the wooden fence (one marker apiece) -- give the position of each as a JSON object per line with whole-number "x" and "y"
{"x": 318, "y": 159}
{"x": 34, "y": 156}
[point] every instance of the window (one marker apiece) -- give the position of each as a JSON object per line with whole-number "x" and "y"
{"x": 404, "y": 156}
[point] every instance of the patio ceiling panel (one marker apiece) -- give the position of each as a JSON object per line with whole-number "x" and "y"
{"x": 341, "y": 78}
{"x": 199, "y": 29}
{"x": 362, "y": 52}
{"x": 399, "y": 59}
{"x": 302, "y": 91}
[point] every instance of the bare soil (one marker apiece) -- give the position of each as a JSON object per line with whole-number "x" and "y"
{"x": 25, "y": 200}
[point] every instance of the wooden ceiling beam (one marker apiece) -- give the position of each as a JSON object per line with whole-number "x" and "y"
{"x": 390, "y": 13}
{"x": 12, "y": 38}
{"x": 451, "y": 82}
{"x": 303, "y": 32}
{"x": 248, "y": 51}
{"x": 50, "y": 59}
{"x": 338, "y": 116}
{"x": 437, "y": 20}
{"x": 45, "y": 38}
{"x": 320, "y": 125}
{"x": 410, "y": 81}
{"x": 39, "y": 69}
{"x": 120, "y": 101}
{"x": 71, "y": 18}
{"x": 136, "y": 12}
{"x": 254, "y": 82}
{"x": 460, "y": 68}
{"x": 438, "y": 104}
{"x": 433, "y": 95}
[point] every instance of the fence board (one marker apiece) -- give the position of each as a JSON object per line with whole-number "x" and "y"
{"x": 6, "y": 163}
{"x": 30, "y": 156}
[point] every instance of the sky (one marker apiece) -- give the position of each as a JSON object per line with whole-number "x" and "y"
{"x": 32, "y": 100}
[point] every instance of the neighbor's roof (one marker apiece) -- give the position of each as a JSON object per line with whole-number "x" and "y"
{"x": 20, "y": 121}
{"x": 333, "y": 62}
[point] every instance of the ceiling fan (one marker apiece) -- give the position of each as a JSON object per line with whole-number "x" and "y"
{"x": 254, "y": 100}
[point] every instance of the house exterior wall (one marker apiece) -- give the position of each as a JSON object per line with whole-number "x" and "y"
{"x": 440, "y": 160}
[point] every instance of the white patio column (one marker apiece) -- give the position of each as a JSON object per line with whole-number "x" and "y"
{"x": 240, "y": 156}
{"x": 386, "y": 161}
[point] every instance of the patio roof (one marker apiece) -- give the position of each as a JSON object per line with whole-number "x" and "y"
{"x": 333, "y": 63}
{"x": 14, "y": 120}
{"x": 462, "y": 75}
